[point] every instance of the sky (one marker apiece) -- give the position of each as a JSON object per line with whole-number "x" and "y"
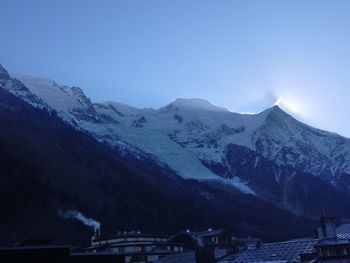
{"x": 244, "y": 55}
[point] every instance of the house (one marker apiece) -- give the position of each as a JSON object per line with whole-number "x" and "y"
{"x": 220, "y": 238}
{"x": 126, "y": 236}
{"x": 334, "y": 243}
{"x": 333, "y": 249}
{"x": 207, "y": 246}
{"x": 246, "y": 243}
{"x": 331, "y": 244}
{"x": 135, "y": 246}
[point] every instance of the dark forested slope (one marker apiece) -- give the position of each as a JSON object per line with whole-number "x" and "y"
{"x": 47, "y": 166}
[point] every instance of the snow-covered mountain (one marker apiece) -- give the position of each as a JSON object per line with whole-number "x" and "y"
{"x": 192, "y": 136}
{"x": 70, "y": 102}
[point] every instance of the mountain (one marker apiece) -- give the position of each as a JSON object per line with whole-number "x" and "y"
{"x": 48, "y": 166}
{"x": 197, "y": 140}
{"x": 203, "y": 131}
{"x": 289, "y": 142}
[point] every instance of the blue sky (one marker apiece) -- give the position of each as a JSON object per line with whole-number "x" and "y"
{"x": 240, "y": 54}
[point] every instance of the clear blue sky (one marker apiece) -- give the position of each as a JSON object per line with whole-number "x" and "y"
{"x": 239, "y": 54}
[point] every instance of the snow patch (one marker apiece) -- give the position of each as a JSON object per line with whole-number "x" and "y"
{"x": 239, "y": 184}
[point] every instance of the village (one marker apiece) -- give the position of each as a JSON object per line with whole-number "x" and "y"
{"x": 330, "y": 243}
{"x": 178, "y": 131}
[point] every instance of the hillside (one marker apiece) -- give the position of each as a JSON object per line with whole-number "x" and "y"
{"x": 47, "y": 166}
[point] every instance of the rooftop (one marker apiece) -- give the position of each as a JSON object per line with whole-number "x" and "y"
{"x": 121, "y": 244}
{"x": 343, "y": 231}
{"x": 128, "y": 235}
{"x": 287, "y": 251}
{"x": 332, "y": 242}
{"x": 208, "y": 233}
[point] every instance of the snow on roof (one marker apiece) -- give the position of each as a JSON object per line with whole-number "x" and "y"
{"x": 332, "y": 242}
{"x": 343, "y": 231}
{"x": 287, "y": 251}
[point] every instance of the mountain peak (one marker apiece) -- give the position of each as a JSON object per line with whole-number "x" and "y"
{"x": 194, "y": 104}
{"x": 274, "y": 110}
{"x": 3, "y": 73}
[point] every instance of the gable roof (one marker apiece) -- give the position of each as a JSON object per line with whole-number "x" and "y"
{"x": 287, "y": 251}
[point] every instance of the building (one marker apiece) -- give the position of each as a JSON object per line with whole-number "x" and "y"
{"x": 220, "y": 238}
{"x": 136, "y": 246}
{"x": 125, "y": 236}
{"x": 334, "y": 243}
{"x": 331, "y": 244}
{"x": 246, "y": 243}
{"x": 202, "y": 247}
{"x": 329, "y": 250}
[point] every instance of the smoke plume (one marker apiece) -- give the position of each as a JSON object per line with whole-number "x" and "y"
{"x": 73, "y": 214}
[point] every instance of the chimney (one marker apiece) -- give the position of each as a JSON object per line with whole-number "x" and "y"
{"x": 97, "y": 232}
{"x": 326, "y": 228}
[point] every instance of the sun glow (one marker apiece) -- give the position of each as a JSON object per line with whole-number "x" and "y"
{"x": 290, "y": 103}
{"x": 278, "y": 102}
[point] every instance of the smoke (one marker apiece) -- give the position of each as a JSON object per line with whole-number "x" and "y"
{"x": 73, "y": 214}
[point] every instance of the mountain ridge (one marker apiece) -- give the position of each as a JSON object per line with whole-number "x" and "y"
{"x": 191, "y": 136}
{"x": 47, "y": 166}
{"x": 274, "y": 111}
{"x": 178, "y": 100}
